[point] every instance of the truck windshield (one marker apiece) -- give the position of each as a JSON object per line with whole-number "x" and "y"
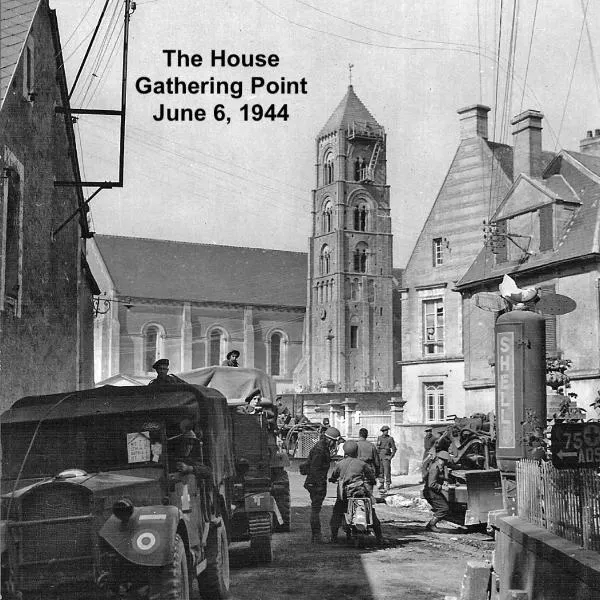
{"x": 98, "y": 444}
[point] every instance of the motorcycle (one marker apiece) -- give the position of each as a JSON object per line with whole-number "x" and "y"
{"x": 358, "y": 521}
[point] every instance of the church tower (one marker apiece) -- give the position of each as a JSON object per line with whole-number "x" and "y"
{"x": 349, "y": 305}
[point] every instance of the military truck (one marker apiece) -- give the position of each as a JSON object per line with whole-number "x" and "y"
{"x": 117, "y": 492}
{"x": 261, "y": 491}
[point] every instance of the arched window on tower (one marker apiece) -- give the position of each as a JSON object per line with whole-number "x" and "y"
{"x": 360, "y": 217}
{"x": 357, "y": 169}
{"x": 152, "y": 345}
{"x": 327, "y": 216}
{"x": 325, "y": 260}
{"x": 360, "y": 258}
{"x": 328, "y": 168}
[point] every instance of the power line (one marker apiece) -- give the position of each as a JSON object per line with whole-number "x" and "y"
{"x": 583, "y": 22}
{"x": 529, "y": 53}
{"x": 593, "y": 58}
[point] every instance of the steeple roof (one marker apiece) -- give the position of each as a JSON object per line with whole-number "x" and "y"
{"x": 350, "y": 109}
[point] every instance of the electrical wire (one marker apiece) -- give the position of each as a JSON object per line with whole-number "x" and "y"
{"x": 592, "y": 56}
{"x": 529, "y": 53}
{"x": 564, "y": 112}
{"x": 65, "y": 44}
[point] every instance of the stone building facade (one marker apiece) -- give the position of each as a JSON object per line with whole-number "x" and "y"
{"x": 550, "y": 221}
{"x": 193, "y": 303}
{"x": 432, "y": 341}
{"x": 46, "y": 325}
{"x": 349, "y": 326}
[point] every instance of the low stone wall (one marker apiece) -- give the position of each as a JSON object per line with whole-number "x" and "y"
{"x": 545, "y": 566}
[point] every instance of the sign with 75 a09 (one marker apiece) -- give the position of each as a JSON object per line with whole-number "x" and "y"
{"x": 575, "y": 445}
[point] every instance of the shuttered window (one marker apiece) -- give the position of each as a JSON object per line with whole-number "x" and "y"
{"x": 551, "y": 341}
{"x": 546, "y": 228}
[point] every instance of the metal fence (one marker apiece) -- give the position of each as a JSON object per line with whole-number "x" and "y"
{"x": 563, "y": 501}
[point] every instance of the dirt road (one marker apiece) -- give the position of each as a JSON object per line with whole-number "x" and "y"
{"x": 414, "y": 564}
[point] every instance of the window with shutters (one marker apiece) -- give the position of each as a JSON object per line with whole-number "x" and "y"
{"x": 551, "y": 340}
{"x": 546, "y": 228}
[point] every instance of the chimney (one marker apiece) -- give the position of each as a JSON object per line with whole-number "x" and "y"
{"x": 527, "y": 150}
{"x": 590, "y": 144}
{"x": 473, "y": 121}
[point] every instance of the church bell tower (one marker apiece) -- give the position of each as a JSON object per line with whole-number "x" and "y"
{"x": 349, "y": 303}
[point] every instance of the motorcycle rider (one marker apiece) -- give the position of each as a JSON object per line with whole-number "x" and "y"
{"x": 355, "y": 479}
{"x": 316, "y": 468}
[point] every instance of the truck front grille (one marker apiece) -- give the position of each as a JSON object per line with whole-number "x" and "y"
{"x": 55, "y": 534}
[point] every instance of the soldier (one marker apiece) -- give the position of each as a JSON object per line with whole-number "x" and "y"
{"x": 316, "y": 468}
{"x": 161, "y": 366}
{"x": 231, "y": 359}
{"x": 387, "y": 450}
{"x": 432, "y": 492}
{"x": 368, "y": 452}
{"x": 355, "y": 479}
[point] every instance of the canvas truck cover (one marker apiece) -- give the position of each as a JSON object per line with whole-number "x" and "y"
{"x": 235, "y": 383}
{"x": 205, "y": 405}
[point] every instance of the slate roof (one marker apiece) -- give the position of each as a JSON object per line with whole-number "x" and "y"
{"x": 350, "y": 109}
{"x": 16, "y": 17}
{"x": 168, "y": 270}
{"x": 579, "y": 238}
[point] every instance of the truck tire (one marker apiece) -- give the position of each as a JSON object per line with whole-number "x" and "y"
{"x": 260, "y": 527}
{"x": 214, "y": 580}
{"x": 171, "y": 582}
{"x": 281, "y": 493}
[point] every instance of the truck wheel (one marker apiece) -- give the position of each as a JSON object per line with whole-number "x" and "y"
{"x": 171, "y": 582}
{"x": 214, "y": 580}
{"x": 260, "y": 528}
{"x": 281, "y": 493}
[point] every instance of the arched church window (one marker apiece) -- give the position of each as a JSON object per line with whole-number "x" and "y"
{"x": 276, "y": 354}
{"x": 360, "y": 258}
{"x": 216, "y": 346}
{"x": 327, "y": 216}
{"x": 325, "y": 260}
{"x": 357, "y": 169}
{"x": 152, "y": 345}
{"x": 360, "y": 217}
{"x": 328, "y": 168}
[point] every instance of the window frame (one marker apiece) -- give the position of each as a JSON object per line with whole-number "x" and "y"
{"x": 438, "y": 341}
{"x": 159, "y": 346}
{"x": 223, "y": 344}
{"x": 11, "y": 164}
{"x": 434, "y": 412}
{"x": 353, "y": 337}
{"x": 437, "y": 252}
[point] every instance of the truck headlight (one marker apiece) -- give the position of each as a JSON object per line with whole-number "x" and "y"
{"x": 123, "y": 509}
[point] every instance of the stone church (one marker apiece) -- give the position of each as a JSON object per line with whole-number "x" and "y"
{"x": 333, "y": 326}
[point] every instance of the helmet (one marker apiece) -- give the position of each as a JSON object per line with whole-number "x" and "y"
{"x": 385, "y": 428}
{"x": 351, "y": 449}
{"x": 333, "y": 434}
{"x": 443, "y": 454}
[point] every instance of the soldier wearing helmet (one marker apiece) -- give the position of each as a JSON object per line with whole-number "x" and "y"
{"x": 432, "y": 492}
{"x": 316, "y": 468}
{"x": 355, "y": 479}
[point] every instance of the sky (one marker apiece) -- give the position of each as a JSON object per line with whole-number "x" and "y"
{"x": 248, "y": 182}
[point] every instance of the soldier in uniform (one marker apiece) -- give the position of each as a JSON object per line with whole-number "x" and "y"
{"x": 387, "y": 450}
{"x": 316, "y": 468}
{"x": 432, "y": 492}
{"x": 161, "y": 366}
{"x": 368, "y": 452}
